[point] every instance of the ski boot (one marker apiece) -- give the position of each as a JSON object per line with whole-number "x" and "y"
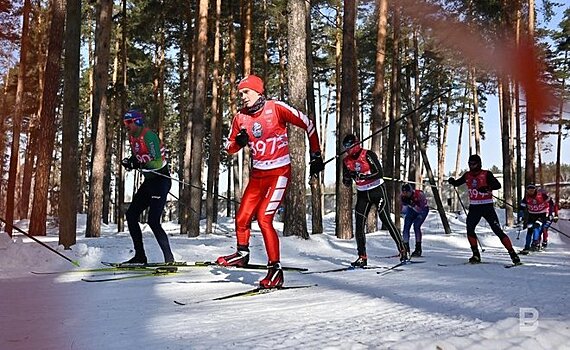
{"x": 525, "y": 251}
{"x": 407, "y": 245}
{"x": 240, "y": 258}
{"x": 274, "y": 278}
{"x": 535, "y": 247}
{"x": 476, "y": 258}
{"x": 544, "y": 244}
{"x": 138, "y": 259}
{"x": 362, "y": 261}
{"x": 418, "y": 251}
{"x": 514, "y": 257}
{"x": 404, "y": 256}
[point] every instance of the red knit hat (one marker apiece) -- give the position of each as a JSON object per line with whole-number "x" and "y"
{"x": 252, "y": 82}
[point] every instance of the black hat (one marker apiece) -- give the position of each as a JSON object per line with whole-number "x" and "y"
{"x": 530, "y": 186}
{"x": 475, "y": 158}
{"x": 406, "y": 188}
{"x": 349, "y": 140}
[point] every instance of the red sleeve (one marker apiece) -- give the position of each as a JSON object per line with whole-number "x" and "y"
{"x": 296, "y": 117}
{"x": 231, "y": 144}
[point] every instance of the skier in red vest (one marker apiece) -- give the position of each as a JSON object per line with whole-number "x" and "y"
{"x": 481, "y": 184}
{"x": 148, "y": 156}
{"x": 261, "y": 125}
{"x": 539, "y": 212}
{"x": 364, "y": 168}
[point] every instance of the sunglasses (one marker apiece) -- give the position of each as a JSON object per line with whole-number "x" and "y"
{"x": 347, "y": 145}
{"x": 128, "y": 121}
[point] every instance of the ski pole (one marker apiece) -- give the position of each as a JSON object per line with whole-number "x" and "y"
{"x": 407, "y": 181}
{"x": 502, "y": 200}
{"x": 465, "y": 211}
{"x": 186, "y": 184}
{"x": 40, "y": 242}
{"x": 557, "y": 230}
{"x": 422, "y": 106}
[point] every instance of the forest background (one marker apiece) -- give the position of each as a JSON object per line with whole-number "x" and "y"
{"x": 403, "y": 73}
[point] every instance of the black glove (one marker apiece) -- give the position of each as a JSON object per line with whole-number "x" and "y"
{"x": 406, "y": 200}
{"x": 553, "y": 218}
{"x": 242, "y": 138}
{"x": 131, "y": 163}
{"x": 316, "y": 164}
{"x": 483, "y": 189}
{"x": 354, "y": 175}
{"x": 451, "y": 180}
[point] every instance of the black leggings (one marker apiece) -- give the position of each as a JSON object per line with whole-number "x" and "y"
{"x": 364, "y": 202}
{"x": 152, "y": 194}
{"x": 486, "y": 211}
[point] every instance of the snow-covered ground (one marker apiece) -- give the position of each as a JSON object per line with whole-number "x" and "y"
{"x": 423, "y": 306}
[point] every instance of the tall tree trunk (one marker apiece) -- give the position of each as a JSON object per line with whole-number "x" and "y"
{"x": 185, "y": 140}
{"x": 518, "y": 185}
{"x": 17, "y": 120}
{"x": 559, "y": 135}
{"x": 377, "y": 115}
{"x": 48, "y": 118}
{"x": 4, "y": 112}
{"x": 435, "y": 189}
{"x": 344, "y": 194}
{"x": 295, "y": 198}
{"x": 247, "y": 70}
{"x": 389, "y": 160}
{"x": 315, "y": 183}
{"x": 443, "y": 145}
{"x": 199, "y": 111}
{"x": 123, "y": 103}
{"x": 70, "y": 127}
{"x": 233, "y": 166}
{"x": 215, "y": 128}
{"x": 414, "y": 159}
{"x": 505, "y": 136}
{"x": 530, "y": 176}
{"x": 99, "y": 118}
{"x": 476, "y": 121}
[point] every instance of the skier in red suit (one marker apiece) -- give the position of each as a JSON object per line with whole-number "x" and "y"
{"x": 262, "y": 126}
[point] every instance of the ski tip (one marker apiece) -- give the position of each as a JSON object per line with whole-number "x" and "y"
{"x": 75, "y": 262}
{"x": 179, "y": 303}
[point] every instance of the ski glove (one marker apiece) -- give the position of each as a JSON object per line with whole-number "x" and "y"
{"x": 451, "y": 180}
{"x": 316, "y": 164}
{"x": 242, "y": 138}
{"x": 483, "y": 189}
{"x": 553, "y": 218}
{"x": 131, "y": 163}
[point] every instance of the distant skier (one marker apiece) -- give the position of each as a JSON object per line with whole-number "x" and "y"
{"x": 415, "y": 207}
{"x": 539, "y": 212}
{"x": 481, "y": 184}
{"x": 364, "y": 168}
{"x": 262, "y": 126}
{"x": 148, "y": 156}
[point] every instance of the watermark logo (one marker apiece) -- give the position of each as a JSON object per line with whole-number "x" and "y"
{"x": 528, "y": 319}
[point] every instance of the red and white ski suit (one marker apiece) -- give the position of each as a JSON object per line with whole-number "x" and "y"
{"x": 269, "y": 147}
